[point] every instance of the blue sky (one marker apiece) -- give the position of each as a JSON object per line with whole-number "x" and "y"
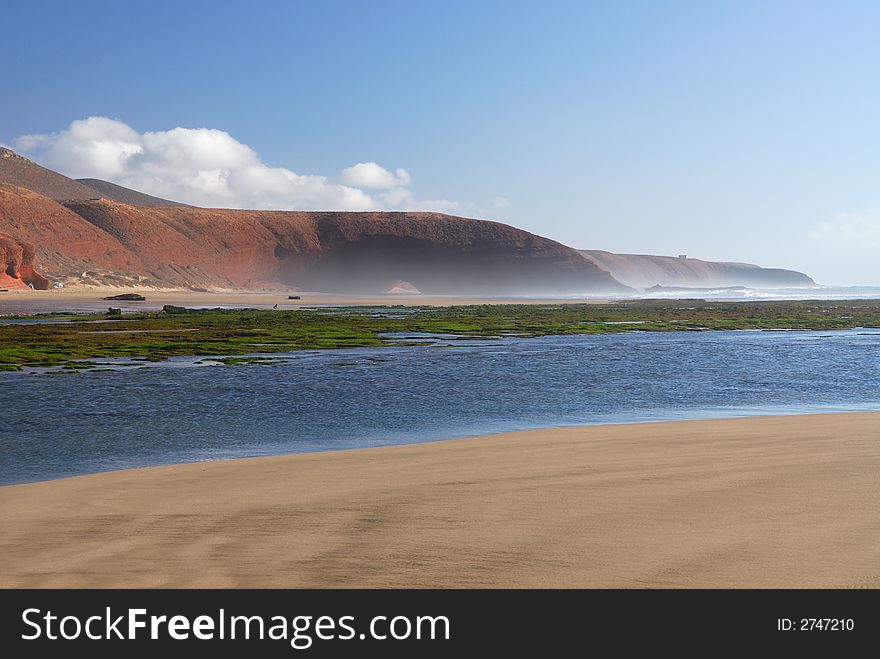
{"x": 725, "y": 130}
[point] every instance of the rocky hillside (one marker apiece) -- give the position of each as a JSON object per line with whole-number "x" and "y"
{"x": 644, "y": 271}
{"x": 65, "y": 245}
{"x": 17, "y": 170}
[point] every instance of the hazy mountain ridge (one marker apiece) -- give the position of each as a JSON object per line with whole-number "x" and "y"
{"x": 644, "y": 271}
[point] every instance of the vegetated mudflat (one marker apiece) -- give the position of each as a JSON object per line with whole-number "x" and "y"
{"x": 73, "y": 344}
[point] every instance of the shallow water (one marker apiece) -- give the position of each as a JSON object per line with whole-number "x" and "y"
{"x": 60, "y": 425}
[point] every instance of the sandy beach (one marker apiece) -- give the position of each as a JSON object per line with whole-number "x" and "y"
{"x": 26, "y": 301}
{"x": 771, "y": 501}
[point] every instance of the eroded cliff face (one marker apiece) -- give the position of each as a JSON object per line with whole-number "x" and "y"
{"x": 321, "y": 251}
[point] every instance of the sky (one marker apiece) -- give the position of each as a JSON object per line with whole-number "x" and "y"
{"x": 742, "y": 131}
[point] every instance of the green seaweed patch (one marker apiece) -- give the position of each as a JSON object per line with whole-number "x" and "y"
{"x": 235, "y": 335}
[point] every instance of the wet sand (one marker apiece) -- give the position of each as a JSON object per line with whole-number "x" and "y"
{"x": 25, "y": 301}
{"x": 773, "y": 501}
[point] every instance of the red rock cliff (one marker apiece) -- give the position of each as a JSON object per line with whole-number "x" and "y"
{"x": 322, "y": 251}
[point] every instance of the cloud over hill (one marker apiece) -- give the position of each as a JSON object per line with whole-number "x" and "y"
{"x": 209, "y": 167}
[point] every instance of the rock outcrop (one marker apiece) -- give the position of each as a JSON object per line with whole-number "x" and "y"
{"x": 17, "y": 263}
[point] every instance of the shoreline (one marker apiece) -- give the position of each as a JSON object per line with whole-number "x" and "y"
{"x": 787, "y": 501}
{"x": 756, "y": 413}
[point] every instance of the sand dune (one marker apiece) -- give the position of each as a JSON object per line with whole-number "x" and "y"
{"x": 774, "y": 501}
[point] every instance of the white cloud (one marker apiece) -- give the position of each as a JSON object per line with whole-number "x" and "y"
{"x": 371, "y": 175}
{"x": 208, "y": 167}
{"x": 97, "y": 147}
